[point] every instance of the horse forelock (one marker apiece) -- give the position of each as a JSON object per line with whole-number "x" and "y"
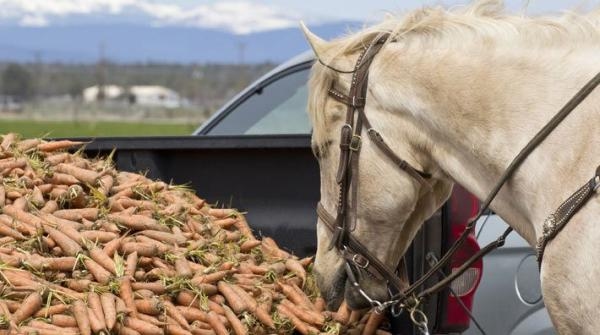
{"x": 483, "y": 23}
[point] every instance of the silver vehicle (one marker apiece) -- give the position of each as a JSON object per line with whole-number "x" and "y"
{"x": 508, "y": 299}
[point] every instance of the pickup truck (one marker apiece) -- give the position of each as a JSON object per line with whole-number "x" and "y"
{"x": 254, "y": 154}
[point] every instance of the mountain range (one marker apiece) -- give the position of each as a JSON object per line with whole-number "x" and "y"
{"x": 134, "y": 43}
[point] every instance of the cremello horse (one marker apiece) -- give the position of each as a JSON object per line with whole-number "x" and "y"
{"x": 458, "y": 94}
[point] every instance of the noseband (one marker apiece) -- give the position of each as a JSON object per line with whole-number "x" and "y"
{"x": 356, "y": 256}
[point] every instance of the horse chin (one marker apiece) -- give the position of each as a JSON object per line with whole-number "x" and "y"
{"x": 374, "y": 289}
{"x": 332, "y": 287}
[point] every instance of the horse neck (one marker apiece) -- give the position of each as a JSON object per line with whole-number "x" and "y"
{"x": 482, "y": 109}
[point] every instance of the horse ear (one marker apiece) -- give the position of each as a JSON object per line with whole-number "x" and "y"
{"x": 316, "y": 43}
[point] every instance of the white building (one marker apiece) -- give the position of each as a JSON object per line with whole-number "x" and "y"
{"x": 141, "y": 95}
{"x": 111, "y": 92}
{"x": 154, "y": 96}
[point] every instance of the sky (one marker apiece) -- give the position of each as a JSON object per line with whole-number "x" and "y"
{"x": 239, "y": 16}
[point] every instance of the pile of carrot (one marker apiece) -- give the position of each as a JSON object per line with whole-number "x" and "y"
{"x": 87, "y": 249}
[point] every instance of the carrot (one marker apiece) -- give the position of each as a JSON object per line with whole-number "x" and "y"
{"x": 260, "y": 314}
{"x": 62, "y": 320}
{"x": 144, "y": 328}
{"x": 209, "y": 278}
{"x": 192, "y": 314}
{"x": 62, "y": 179}
{"x": 320, "y": 304}
{"x": 172, "y": 328}
{"x": 157, "y": 287}
{"x": 248, "y": 245}
{"x": 373, "y": 323}
{"x": 51, "y": 310}
{"x": 58, "y": 145}
{"x": 299, "y": 325}
{"x": 105, "y": 184}
{"x": 151, "y": 319}
{"x": 112, "y": 246}
{"x": 80, "y": 312}
{"x": 164, "y": 237}
{"x": 98, "y": 236}
{"x": 6, "y": 230}
{"x": 96, "y": 324}
{"x": 109, "y": 308}
{"x": 8, "y": 141}
{"x": 49, "y": 207}
{"x": 126, "y": 293}
{"x": 96, "y": 305}
{"x": 307, "y": 261}
{"x": 309, "y": 316}
{"x": 30, "y": 305}
{"x": 122, "y": 330}
{"x": 100, "y": 273}
{"x": 216, "y": 324}
{"x": 12, "y": 163}
{"x": 182, "y": 267}
{"x": 67, "y": 245}
{"x": 78, "y": 214}
{"x": 176, "y": 314}
{"x": 100, "y": 257}
{"x": 131, "y": 264}
{"x": 25, "y": 145}
{"x": 83, "y": 175}
{"x": 56, "y": 158}
{"x": 233, "y": 299}
{"x": 137, "y": 222}
{"x": 200, "y": 331}
{"x": 151, "y": 306}
{"x": 343, "y": 313}
{"x": 236, "y": 324}
{"x": 296, "y": 295}
{"x": 295, "y": 267}
{"x": 142, "y": 249}
{"x": 79, "y": 285}
{"x": 2, "y": 196}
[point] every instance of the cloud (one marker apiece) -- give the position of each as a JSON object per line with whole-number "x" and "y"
{"x": 238, "y": 16}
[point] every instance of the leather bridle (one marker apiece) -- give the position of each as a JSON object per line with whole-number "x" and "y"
{"x": 356, "y": 256}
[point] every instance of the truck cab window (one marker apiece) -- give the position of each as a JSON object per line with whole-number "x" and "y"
{"x": 277, "y": 108}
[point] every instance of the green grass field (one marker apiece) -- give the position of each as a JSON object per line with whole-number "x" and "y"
{"x": 92, "y": 129}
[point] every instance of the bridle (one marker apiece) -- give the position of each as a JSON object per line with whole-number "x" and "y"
{"x": 359, "y": 258}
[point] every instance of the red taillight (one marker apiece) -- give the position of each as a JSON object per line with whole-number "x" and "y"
{"x": 461, "y": 207}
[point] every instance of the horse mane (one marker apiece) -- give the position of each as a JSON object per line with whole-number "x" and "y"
{"x": 481, "y": 23}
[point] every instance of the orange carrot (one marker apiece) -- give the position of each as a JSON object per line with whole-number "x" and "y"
{"x": 112, "y": 246}
{"x": 51, "y": 310}
{"x": 343, "y": 313}
{"x": 131, "y": 264}
{"x": 295, "y": 267}
{"x": 126, "y": 293}
{"x": 142, "y": 249}
{"x": 67, "y": 245}
{"x": 144, "y": 328}
{"x": 98, "y": 236}
{"x": 192, "y": 314}
{"x": 100, "y": 257}
{"x": 176, "y": 314}
{"x": 233, "y": 299}
{"x": 96, "y": 324}
{"x": 122, "y": 330}
{"x": 249, "y": 301}
{"x": 164, "y": 237}
{"x": 235, "y": 323}
{"x": 62, "y": 179}
{"x": 249, "y": 245}
{"x": 296, "y": 295}
{"x": 151, "y": 306}
{"x": 58, "y": 145}
{"x": 100, "y": 273}
{"x": 320, "y": 304}
{"x": 157, "y": 287}
{"x": 299, "y": 325}
{"x": 216, "y": 324}
{"x": 62, "y": 320}
{"x": 373, "y": 323}
{"x": 30, "y": 305}
{"x": 78, "y": 214}
{"x": 49, "y": 207}
{"x": 109, "y": 308}
{"x": 137, "y": 222}
{"x": 83, "y": 175}
{"x": 309, "y": 316}
{"x": 80, "y": 312}
{"x": 96, "y": 305}
{"x": 209, "y": 278}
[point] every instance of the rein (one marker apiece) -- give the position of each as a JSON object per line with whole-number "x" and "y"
{"x": 358, "y": 258}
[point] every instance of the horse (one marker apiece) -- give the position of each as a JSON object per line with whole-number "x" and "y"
{"x": 457, "y": 93}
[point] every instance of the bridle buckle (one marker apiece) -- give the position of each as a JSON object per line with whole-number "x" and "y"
{"x": 355, "y": 143}
{"x": 360, "y": 261}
